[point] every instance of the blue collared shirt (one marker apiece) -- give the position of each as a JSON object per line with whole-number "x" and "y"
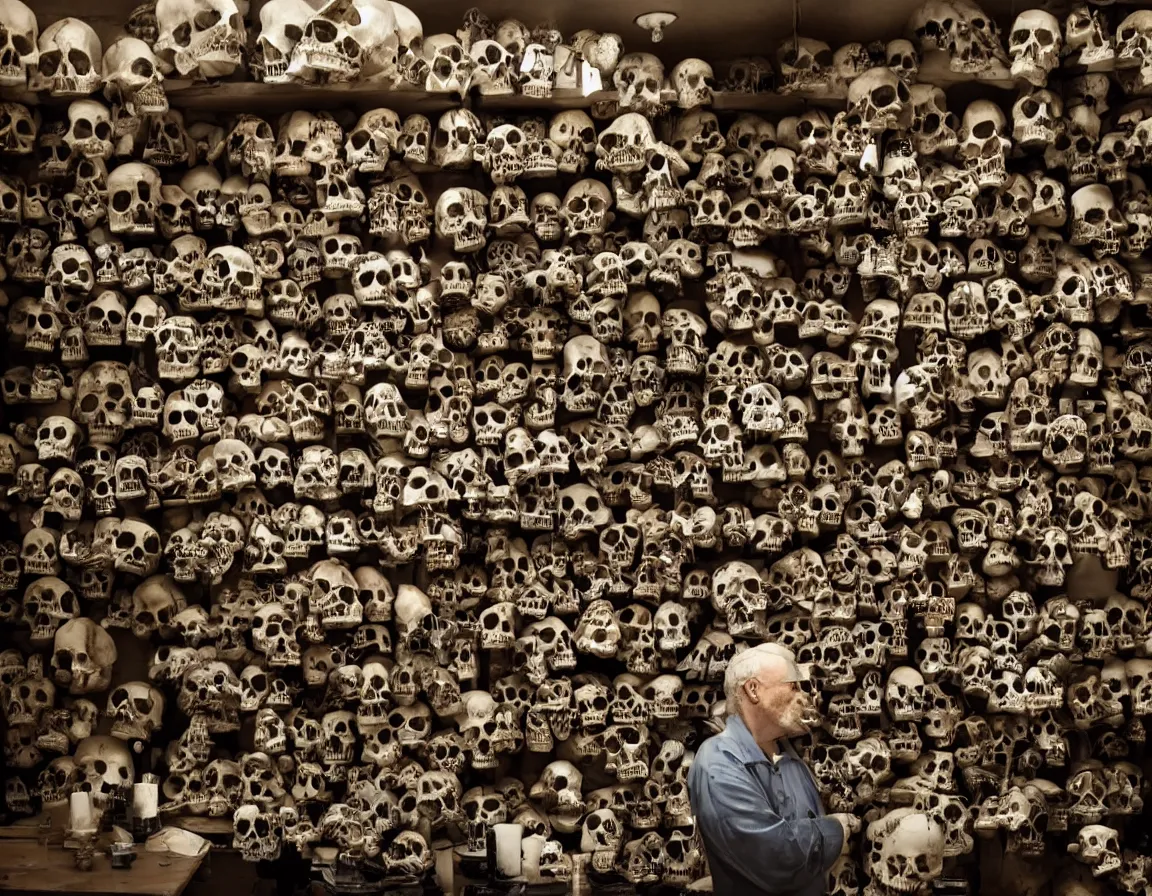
{"x": 762, "y": 822}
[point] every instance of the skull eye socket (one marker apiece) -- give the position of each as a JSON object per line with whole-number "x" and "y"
{"x": 1030, "y": 107}
{"x": 884, "y": 95}
{"x": 984, "y": 129}
{"x": 121, "y": 200}
{"x": 206, "y": 19}
{"x": 142, "y": 68}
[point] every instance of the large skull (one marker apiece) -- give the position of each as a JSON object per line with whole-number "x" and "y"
{"x": 257, "y": 833}
{"x": 19, "y": 51}
{"x": 623, "y": 146}
{"x": 71, "y": 59}
{"x": 906, "y": 850}
{"x": 82, "y": 656}
{"x": 881, "y": 99}
{"x": 461, "y": 213}
{"x": 133, "y": 199}
{"x": 282, "y": 24}
{"x": 105, "y": 765}
{"x": 137, "y": 710}
{"x": 104, "y": 401}
{"x": 1096, "y": 222}
{"x": 135, "y": 76}
{"x": 639, "y": 78}
{"x": 1034, "y": 45}
{"x": 204, "y": 37}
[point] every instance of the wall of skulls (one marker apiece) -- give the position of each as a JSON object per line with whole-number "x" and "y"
{"x": 442, "y": 463}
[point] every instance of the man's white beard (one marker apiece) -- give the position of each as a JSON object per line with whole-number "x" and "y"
{"x": 800, "y": 718}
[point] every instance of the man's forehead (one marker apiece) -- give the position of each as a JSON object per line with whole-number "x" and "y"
{"x": 785, "y": 663}
{"x": 781, "y": 666}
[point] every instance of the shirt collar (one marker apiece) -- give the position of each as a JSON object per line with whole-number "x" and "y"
{"x": 746, "y": 748}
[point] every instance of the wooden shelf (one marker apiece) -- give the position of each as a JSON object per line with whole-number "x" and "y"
{"x": 275, "y": 99}
{"x": 51, "y": 824}
{"x": 248, "y": 96}
{"x": 201, "y": 824}
{"x": 253, "y": 97}
{"x": 935, "y": 69}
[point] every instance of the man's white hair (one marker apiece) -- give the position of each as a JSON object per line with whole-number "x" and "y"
{"x": 747, "y": 664}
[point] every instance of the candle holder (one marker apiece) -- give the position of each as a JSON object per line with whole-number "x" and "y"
{"x": 473, "y": 865}
{"x": 86, "y": 849}
{"x": 143, "y": 828}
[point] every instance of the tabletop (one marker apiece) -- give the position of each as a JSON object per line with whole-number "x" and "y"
{"x": 29, "y": 867}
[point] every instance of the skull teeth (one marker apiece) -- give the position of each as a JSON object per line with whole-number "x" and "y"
{"x": 276, "y": 72}
{"x": 219, "y": 44}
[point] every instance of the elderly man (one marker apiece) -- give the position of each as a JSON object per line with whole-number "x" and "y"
{"x": 755, "y": 801}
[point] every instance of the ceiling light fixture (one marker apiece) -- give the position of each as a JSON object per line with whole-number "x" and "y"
{"x": 655, "y": 23}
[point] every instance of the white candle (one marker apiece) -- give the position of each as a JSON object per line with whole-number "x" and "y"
{"x": 445, "y": 870}
{"x": 508, "y": 837}
{"x": 80, "y": 813}
{"x": 144, "y": 800}
{"x": 531, "y": 847}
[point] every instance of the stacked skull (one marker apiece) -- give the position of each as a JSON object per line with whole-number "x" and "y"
{"x": 448, "y": 506}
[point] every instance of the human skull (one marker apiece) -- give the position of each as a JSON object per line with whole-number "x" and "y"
{"x": 204, "y": 37}
{"x": 21, "y": 42}
{"x": 70, "y": 59}
{"x": 1034, "y": 45}
{"x": 83, "y": 655}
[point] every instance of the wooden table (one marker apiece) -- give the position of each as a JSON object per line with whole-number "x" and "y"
{"x": 29, "y": 867}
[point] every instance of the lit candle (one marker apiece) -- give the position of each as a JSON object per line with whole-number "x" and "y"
{"x": 508, "y": 837}
{"x": 80, "y": 813}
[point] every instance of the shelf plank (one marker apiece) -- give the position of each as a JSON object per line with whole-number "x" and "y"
{"x": 201, "y": 824}
{"x": 275, "y": 99}
{"x": 52, "y": 823}
{"x": 285, "y": 97}
{"x": 250, "y": 96}
{"x": 936, "y": 69}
